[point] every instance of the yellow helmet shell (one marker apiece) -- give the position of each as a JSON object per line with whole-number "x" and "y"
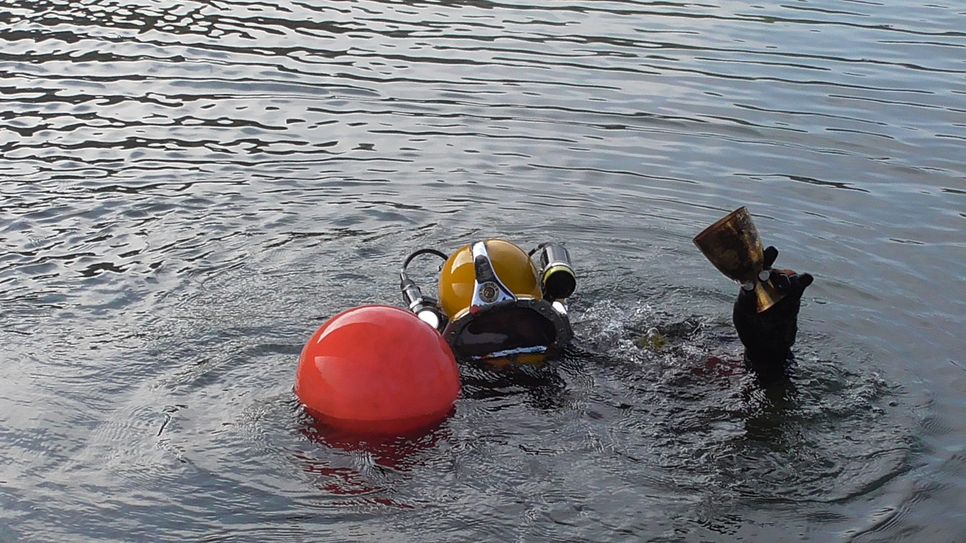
{"x": 510, "y": 263}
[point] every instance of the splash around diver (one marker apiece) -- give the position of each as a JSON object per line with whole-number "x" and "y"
{"x": 388, "y": 369}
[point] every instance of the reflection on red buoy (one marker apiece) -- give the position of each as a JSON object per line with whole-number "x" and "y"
{"x": 378, "y": 370}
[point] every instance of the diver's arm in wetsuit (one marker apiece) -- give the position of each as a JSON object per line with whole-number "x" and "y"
{"x": 768, "y": 336}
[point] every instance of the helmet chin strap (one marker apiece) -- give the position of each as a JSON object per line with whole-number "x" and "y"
{"x": 487, "y": 288}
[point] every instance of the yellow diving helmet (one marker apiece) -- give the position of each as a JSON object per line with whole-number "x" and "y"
{"x": 495, "y": 305}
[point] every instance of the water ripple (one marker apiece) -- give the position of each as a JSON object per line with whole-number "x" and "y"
{"x": 186, "y": 191}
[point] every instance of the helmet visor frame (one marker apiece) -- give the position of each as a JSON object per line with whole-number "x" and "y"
{"x": 505, "y": 329}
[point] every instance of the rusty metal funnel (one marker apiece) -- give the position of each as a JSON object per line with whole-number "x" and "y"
{"x": 733, "y": 246}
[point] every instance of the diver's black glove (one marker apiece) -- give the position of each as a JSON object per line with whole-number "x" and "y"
{"x": 768, "y": 336}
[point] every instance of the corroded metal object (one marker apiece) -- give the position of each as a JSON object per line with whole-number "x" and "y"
{"x": 733, "y": 246}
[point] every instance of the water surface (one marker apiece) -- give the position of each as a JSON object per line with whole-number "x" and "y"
{"x": 187, "y": 192}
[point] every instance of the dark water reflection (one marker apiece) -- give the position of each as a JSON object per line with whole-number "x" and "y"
{"x": 187, "y": 191}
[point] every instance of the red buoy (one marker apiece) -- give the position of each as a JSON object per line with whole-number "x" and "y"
{"x": 377, "y": 369}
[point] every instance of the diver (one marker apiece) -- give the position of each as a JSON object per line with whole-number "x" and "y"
{"x": 502, "y": 305}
